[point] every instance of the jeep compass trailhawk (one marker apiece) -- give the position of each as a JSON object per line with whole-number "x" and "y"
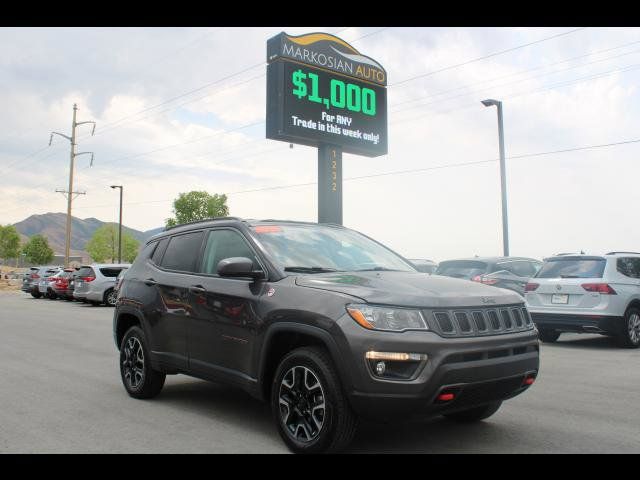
{"x": 321, "y": 321}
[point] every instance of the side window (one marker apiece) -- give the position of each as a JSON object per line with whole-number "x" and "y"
{"x": 223, "y": 244}
{"x": 520, "y": 268}
{"x": 110, "y": 272}
{"x": 182, "y": 252}
{"x": 157, "y": 253}
{"x": 629, "y": 266}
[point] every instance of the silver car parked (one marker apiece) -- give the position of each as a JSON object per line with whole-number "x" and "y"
{"x": 95, "y": 283}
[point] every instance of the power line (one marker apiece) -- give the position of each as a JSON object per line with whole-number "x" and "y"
{"x": 515, "y": 82}
{"x": 412, "y": 100}
{"x": 410, "y": 79}
{"x": 407, "y": 171}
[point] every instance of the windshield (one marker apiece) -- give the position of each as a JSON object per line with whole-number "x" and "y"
{"x": 572, "y": 268}
{"x": 317, "y": 249}
{"x": 461, "y": 268}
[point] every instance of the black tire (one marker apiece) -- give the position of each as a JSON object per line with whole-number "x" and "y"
{"x": 36, "y": 295}
{"x": 52, "y": 295}
{"x": 147, "y": 382}
{"x": 475, "y": 414}
{"x": 630, "y": 336}
{"x": 110, "y": 298}
{"x": 548, "y": 336}
{"x": 338, "y": 422}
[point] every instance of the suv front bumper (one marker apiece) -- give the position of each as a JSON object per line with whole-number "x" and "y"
{"x": 478, "y": 370}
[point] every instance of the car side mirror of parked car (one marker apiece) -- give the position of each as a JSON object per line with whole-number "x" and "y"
{"x": 238, "y": 267}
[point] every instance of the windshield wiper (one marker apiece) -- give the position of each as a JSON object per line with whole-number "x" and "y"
{"x": 310, "y": 269}
{"x": 377, "y": 269}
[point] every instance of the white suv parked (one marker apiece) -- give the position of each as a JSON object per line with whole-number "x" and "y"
{"x": 95, "y": 283}
{"x": 587, "y": 294}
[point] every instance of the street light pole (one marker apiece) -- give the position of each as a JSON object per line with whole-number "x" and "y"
{"x": 119, "y": 225}
{"x": 503, "y": 176}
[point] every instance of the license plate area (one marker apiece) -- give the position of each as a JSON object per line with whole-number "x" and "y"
{"x": 561, "y": 298}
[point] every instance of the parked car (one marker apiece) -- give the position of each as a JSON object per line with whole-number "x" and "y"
{"x": 72, "y": 283}
{"x": 323, "y": 322}
{"x": 588, "y": 294}
{"x": 46, "y": 281}
{"x": 28, "y": 279}
{"x": 425, "y": 266}
{"x": 95, "y": 283}
{"x": 511, "y": 273}
{"x": 116, "y": 287}
{"x": 60, "y": 284}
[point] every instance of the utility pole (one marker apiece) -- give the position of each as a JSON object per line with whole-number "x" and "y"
{"x": 119, "y": 225}
{"x": 70, "y": 193}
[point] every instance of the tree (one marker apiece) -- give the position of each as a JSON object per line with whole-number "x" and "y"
{"x": 38, "y": 251}
{"x": 103, "y": 245}
{"x": 9, "y": 242}
{"x": 195, "y": 205}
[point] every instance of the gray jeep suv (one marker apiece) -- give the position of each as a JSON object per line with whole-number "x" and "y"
{"x": 323, "y": 322}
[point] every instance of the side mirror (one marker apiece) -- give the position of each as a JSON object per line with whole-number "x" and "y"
{"x": 238, "y": 267}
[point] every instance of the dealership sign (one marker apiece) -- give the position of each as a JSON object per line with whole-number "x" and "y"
{"x": 322, "y": 91}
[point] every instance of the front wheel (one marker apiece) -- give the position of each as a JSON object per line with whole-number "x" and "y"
{"x": 548, "y": 336}
{"x": 475, "y": 414}
{"x": 36, "y": 294}
{"x": 630, "y": 337}
{"x": 309, "y": 407}
{"x": 138, "y": 377}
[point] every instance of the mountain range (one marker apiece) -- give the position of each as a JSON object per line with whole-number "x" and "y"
{"x": 53, "y": 226}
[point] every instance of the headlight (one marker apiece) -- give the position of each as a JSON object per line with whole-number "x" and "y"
{"x": 387, "y": 318}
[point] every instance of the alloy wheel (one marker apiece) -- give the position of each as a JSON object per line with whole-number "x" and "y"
{"x": 133, "y": 363}
{"x": 111, "y": 298}
{"x": 302, "y": 404}
{"x": 634, "y": 328}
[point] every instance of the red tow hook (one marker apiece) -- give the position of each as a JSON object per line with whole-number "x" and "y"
{"x": 529, "y": 379}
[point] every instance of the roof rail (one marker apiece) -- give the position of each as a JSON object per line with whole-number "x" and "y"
{"x": 614, "y": 253}
{"x": 201, "y": 221}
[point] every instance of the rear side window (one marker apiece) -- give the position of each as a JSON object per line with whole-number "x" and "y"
{"x": 86, "y": 272}
{"x": 182, "y": 252}
{"x": 223, "y": 244}
{"x": 521, "y": 268}
{"x": 110, "y": 272}
{"x": 629, "y": 267}
{"x": 462, "y": 268}
{"x": 569, "y": 267}
{"x": 157, "y": 253}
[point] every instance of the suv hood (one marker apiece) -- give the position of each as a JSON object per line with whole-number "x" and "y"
{"x": 410, "y": 289}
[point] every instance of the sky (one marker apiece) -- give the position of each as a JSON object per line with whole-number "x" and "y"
{"x": 181, "y": 109}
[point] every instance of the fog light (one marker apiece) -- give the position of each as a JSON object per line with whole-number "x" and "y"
{"x": 380, "y": 368}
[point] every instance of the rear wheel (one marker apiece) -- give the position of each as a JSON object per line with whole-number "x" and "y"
{"x": 475, "y": 414}
{"x": 110, "y": 297}
{"x": 140, "y": 380}
{"x": 36, "y": 294}
{"x": 630, "y": 337}
{"x": 310, "y": 409}
{"x": 548, "y": 336}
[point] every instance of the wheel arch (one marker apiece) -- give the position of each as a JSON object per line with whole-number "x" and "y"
{"x": 123, "y": 321}
{"x": 282, "y": 338}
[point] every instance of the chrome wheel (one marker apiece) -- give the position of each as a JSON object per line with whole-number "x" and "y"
{"x": 302, "y": 404}
{"x": 133, "y": 363}
{"x": 634, "y": 328}
{"x": 111, "y": 298}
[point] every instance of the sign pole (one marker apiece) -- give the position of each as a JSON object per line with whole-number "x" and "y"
{"x": 329, "y": 184}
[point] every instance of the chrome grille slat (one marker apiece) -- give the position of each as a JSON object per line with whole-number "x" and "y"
{"x": 482, "y": 321}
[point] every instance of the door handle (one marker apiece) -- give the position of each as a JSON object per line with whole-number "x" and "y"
{"x": 150, "y": 282}
{"x": 198, "y": 289}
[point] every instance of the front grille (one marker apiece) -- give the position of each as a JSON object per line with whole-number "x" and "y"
{"x": 479, "y": 321}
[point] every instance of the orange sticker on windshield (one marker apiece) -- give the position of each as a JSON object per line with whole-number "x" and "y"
{"x": 267, "y": 229}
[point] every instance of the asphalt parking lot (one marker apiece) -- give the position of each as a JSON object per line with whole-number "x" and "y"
{"x": 60, "y": 392}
